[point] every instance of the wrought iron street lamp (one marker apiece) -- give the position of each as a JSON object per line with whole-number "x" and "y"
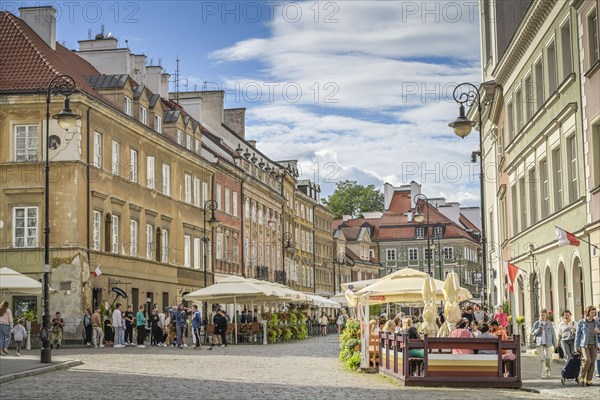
{"x": 418, "y": 218}
{"x": 213, "y": 222}
{"x": 339, "y": 260}
{"x": 467, "y": 94}
{"x": 65, "y": 85}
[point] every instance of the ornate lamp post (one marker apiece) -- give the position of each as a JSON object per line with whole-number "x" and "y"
{"x": 213, "y": 222}
{"x": 418, "y": 218}
{"x": 467, "y": 94}
{"x": 65, "y": 85}
{"x": 339, "y": 260}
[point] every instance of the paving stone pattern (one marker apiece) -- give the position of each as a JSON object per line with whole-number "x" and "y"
{"x": 304, "y": 370}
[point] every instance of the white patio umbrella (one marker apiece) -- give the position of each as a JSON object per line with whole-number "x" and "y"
{"x": 429, "y": 310}
{"x": 451, "y": 309}
{"x": 13, "y": 282}
{"x": 321, "y": 301}
{"x": 231, "y": 290}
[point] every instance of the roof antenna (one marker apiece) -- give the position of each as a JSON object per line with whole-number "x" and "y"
{"x": 177, "y": 79}
{"x": 102, "y": 29}
{"x": 89, "y": 33}
{"x": 127, "y": 43}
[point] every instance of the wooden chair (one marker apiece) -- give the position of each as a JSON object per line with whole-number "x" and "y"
{"x": 255, "y": 331}
{"x": 374, "y": 351}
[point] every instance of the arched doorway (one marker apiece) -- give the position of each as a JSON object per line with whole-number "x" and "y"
{"x": 548, "y": 293}
{"x": 578, "y": 291}
{"x": 561, "y": 279}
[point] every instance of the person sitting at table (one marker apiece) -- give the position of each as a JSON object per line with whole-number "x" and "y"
{"x": 389, "y": 326}
{"x": 461, "y": 331}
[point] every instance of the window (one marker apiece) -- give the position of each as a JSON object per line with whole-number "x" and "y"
{"x": 150, "y": 172}
{"x": 134, "y": 165}
{"x": 187, "y": 243}
{"x": 247, "y": 208}
{"x": 188, "y": 142}
{"x": 166, "y": 179}
{"x": 427, "y": 253}
{"x": 592, "y": 23}
{"x": 235, "y": 204}
{"x": 25, "y": 227}
{"x": 595, "y": 153}
{"x": 302, "y": 211}
{"x": 539, "y": 84}
{"x": 438, "y": 232}
{"x": 529, "y": 98}
{"x": 133, "y": 233}
{"x": 552, "y": 72}
{"x": 391, "y": 254}
{"x": 26, "y": 143}
{"x": 510, "y": 117}
{"x": 219, "y": 246}
{"x": 420, "y": 232}
{"x": 143, "y": 115}
{"x": 227, "y": 201}
{"x": 448, "y": 253}
{"x": 149, "y": 241}
{"x": 413, "y": 254}
{"x": 197, "y": 192}
{"x": 165, "y": 245}
{"x": 197, "y": 253}
{"x": 96, "y": 222}
{"x": 97, "y": 150}
{"x": 371, "y": 253}
{"x": 197, "y": 146}
{"x": 127, "y": 105}
{"x": 204, "y": 193}
{"x": 116, "y": 158}
{"x": 158, "y": 124}
{"x": 179, "y": 137}
{"x": 572, "y": 171}
{"x": 514, "y": 209}
{"x": 566, "y": 52}
{"x": 523, "y": 204}
{"x": 187, "y": 188}
{"x": 226, "y": 248}
{"x": 557, "y": 179}
{"x": 260, "y": 215}
{"x": 533, "y": 206}
{"x": 519, "y": 111}
{"x": 115, "y": 234}
{"x": 253, "y": 211}
{"x": 218, "y": 196}
{"x": 544, "y": 188}
{"x": 236, "y": 250}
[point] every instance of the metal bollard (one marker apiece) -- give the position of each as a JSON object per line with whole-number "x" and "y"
{"x": 265, "y": 332}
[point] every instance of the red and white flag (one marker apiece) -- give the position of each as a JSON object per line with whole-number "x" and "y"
{"x": 97, "y": 272}
{"x": 565, "y": 238}
{"x": 511, "y": 272}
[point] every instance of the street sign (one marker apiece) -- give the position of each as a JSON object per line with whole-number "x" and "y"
{"x": 119, "y": 292}
{"x": 477, "y": 278}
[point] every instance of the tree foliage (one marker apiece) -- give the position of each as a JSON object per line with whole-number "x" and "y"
{"x": 350, "y": 198}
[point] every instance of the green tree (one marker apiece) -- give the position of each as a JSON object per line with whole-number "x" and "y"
{"x": 350, "y": 198}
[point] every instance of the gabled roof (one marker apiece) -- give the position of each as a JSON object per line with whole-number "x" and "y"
{"x": 137, "y": 91}
{"x": 171, "y": 115}
{"x": 107, "y": 81}
{"x": 28, "y": 63}
{"x": 154, "y": 99}
{"x": 467, "y": 223}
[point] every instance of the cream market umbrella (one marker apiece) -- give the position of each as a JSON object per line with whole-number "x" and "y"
{"x": 340, "y": 298}
{"x": 231, "y": 290}
{"x": 402, "y": 286}
{"x": 429, "y": 327}
{"x": 451, "y": 309}
{"x": 358, "y": 285}
{"x": 282, "y": 292}
{"x": 13, "y": 282}
{"x": 324, "y": 302}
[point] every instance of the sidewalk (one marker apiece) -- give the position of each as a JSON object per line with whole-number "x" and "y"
{"x": 12, "y": 367}
{"x": 532, "y": 381}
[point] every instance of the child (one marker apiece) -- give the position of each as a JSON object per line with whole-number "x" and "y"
{"x": 20, "y": 334}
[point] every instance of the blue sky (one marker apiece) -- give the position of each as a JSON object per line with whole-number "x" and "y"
{"x": 353, "y": 89}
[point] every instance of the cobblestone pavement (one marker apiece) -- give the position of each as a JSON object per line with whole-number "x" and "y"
{"x": 304, "y": 370}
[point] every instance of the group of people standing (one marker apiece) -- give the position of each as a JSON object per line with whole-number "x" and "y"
{"x": 582, "y": 337}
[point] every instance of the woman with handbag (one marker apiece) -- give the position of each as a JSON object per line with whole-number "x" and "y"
{"x": 566, "y": 335}
{"x": 545, "y": 339}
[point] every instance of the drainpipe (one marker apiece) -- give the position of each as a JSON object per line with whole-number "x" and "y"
{"x": 242, "y": 229}
{"x": 88, "y": 184}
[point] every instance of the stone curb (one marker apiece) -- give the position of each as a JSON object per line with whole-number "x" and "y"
{"x": 39, "y": 371}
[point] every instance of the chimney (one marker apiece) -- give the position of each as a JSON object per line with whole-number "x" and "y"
{"x": 43, "y": 22}
{"x": 346, "y": 218}
{"x": 164, "y": 85}
{"x": 235, "y": 119}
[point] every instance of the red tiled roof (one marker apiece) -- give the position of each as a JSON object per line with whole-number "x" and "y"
{"x": 28, "y": 63}
{"x": 467, "y": 223}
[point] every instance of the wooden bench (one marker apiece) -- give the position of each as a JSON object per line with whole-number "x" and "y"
{"x": 439, "y": 367}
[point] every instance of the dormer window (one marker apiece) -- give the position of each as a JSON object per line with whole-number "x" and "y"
{"x": 420, "y": 232}
{"x": 188, "y": 142}
{"x": 438, "y": 232}
{"x": 197, "y": 146}
{"x": 143, "y": 115}
{"x": 158, "y": 124}
{"x": 128, "y": 106}
{"x": 179, "y": 137}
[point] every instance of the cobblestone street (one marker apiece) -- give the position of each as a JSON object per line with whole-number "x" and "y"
{"x": 305, "y": 370}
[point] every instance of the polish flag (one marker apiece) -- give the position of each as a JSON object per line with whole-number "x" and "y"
{"x": 97, "y": 272}
{"x": 565, "y": 238}
{"x": 511, "y": 272}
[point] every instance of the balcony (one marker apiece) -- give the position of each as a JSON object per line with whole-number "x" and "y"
{"x": 280, "y": 277}
{"x": 261, "y": 273}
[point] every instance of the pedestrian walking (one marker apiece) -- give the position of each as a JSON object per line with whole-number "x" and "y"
{"x": 129, "y": 316}
{"x": 587, "y": 341}
{"x": 216, "y": 329}
{"x": 6, "y": 324}
{"x": 155, "y": 334}
{"x": 180, "y": 324}
{"x": 57, "y": 331}
{"x": 98, "y": 333}
{"x": 20, "y": 334}
{"x": 222, "y": 322}
{"x": 545, "y": 340}
{"x": 566, "y": 335}
{"x": 140, "y": 322}
{"x": 87, "y": 327}
{"x": 117, "y": 322}
{"x": 196, "y": 324}
{"x": 324, "y": 321}
{"x": 341, "y": 321}
{"x": 501, "y": 316}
